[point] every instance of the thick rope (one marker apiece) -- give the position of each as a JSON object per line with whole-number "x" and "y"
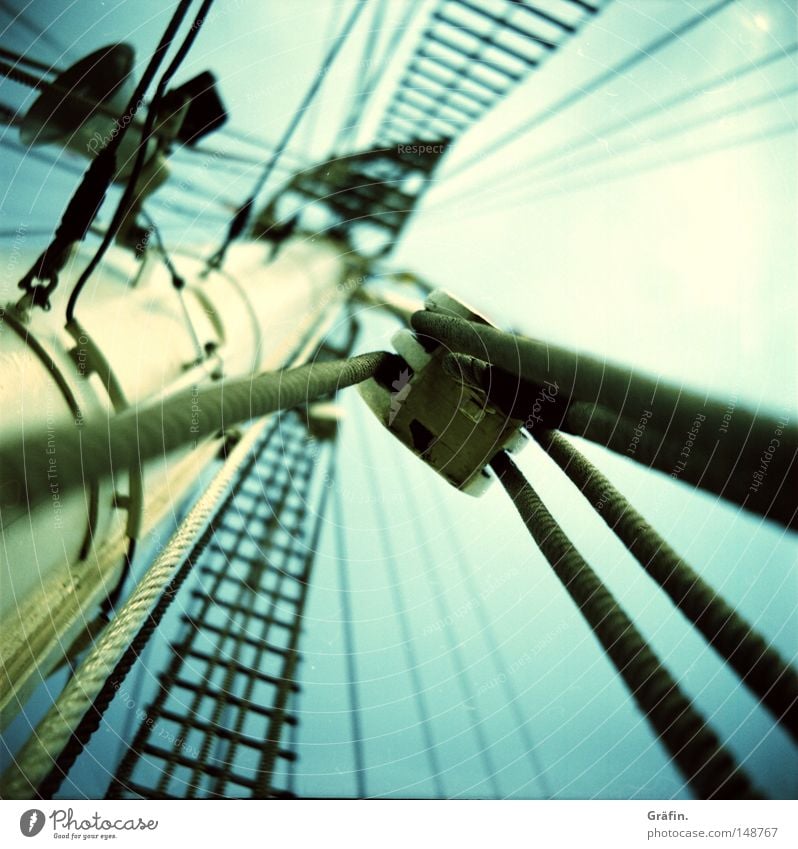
{"x": 96, "y": 450}
{"x": 37, "y": 757}
{"x": 695, "y": 748}
{"x": 581, "y": 377}
{"x": 761, "y": 476}
{"x": 743, "y": 455}
{"x": 759, "y": 666}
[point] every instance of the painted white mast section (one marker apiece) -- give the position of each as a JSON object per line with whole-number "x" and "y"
{"x": 246, "y": 319}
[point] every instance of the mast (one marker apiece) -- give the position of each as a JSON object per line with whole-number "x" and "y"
{"x": 247, "y": 320}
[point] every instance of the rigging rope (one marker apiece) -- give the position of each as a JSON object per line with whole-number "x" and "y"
{"x": 424, "y": 114}
{"x": 240, "y": 220}
{"x": 759, "y": 666}
{"x": 633, "y": 528}
{"x": 373, "y": 79}
{"x": 94, "y": 451}
{"x": 171, "y": 672}
{"x": 228, "y": 652}
{"x": 628, "y": 123}
{"x": 583, "y": 4}
{"x": 455, "y": 648}
{"x": 246, "y": 137}
{"x": 349, "y": 647}
{"x": 21, "y": 76}
{"x": 567, "y": 101}
{"x": 44, "y": 35}
{"x": 124, "y": 205}
{"x": 313, "y": 111}
{"x": 92, "y": 718}
{"x": 40, "y": 753}
{"x": 408, "y": 643}
{"x": 708, "y": 768}
{"x": 234, "y": 161}
{"x": 90, "y": 193}
{"x": 455, "y": 651}
{"x": 592, "y": 180}
{"x": 355, "y": 113}
{"x": 178, "y": 283}
{"x": 732, "y": 471}
{"x": 511, "y": 695}
{"x": 579, "y": 376}
{"x": 22, "y": 59}
{"x": 37, "y": 83}
{"x": 41, "y": 156}
{"x": 72, "y": 166}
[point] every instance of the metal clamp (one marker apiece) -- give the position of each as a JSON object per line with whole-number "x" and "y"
{"x": 450, "y": 425}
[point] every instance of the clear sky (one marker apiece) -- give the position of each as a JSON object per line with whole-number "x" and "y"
{"x": 668, "y": 243}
